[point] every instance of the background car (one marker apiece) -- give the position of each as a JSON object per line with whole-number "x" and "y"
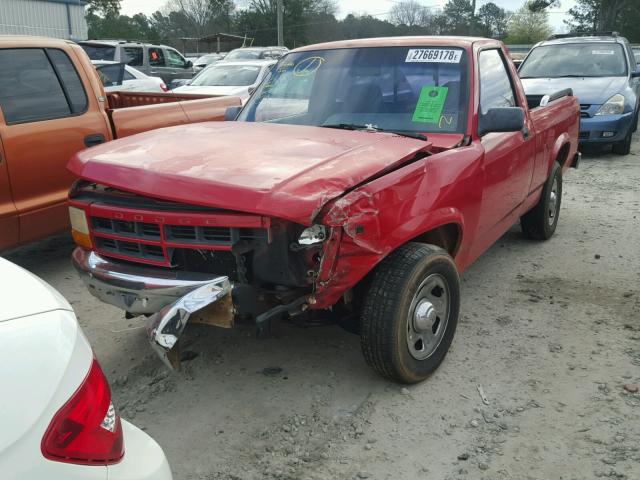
{"x": 517, "y": 58}
{"x": 238, "y": 79}
{"x": 133, "y": 81}
{"x": 58, "y": 421}
{"x": 602, "y": 72}
{"x": 205, "y": 60}
{"x": 155, "y": 60}
{"x": 255, "y": 53}
{"x": 636, "y": 53}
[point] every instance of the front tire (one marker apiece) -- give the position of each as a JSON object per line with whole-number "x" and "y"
{"x": 541, "y": 221}
{"x": 624, "y": 146}
{"x": 410, "y": 312}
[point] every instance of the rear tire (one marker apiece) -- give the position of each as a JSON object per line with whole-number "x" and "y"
{"x": 624, "y": 146}
{"x": 540, "y": 222}
{"x": 410, "y": 312}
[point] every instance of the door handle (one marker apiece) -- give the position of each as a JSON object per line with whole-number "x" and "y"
{"x": 93, "y": 140}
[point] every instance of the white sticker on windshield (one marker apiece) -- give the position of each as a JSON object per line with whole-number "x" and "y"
{"x": 434, "y": 55}
{"x": 602, "y": 52}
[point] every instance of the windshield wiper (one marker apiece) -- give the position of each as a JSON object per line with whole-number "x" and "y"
{"x": 373, "y": 128}
{"x": 557, "y": 76}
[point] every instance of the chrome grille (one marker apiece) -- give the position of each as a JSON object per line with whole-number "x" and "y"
{"x": 131, "y": 249}
{"x": 156, "y": 243}
{"x": 147, "y": 231}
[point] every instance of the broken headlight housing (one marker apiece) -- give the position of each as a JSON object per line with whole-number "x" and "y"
{"x": 313, "y": 235}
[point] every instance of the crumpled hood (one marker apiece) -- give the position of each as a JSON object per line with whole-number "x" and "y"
{"x": 589, "y": 90}
{"x": 285, "y": 171}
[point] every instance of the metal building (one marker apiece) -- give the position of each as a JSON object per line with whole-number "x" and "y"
{"x": 47, "y": 18}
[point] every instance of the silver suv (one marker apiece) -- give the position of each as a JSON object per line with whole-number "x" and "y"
{"x": 155, "y": 60}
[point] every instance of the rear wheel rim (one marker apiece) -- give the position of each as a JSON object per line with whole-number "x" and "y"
{"x": 428, "y": 316}
{"x": 553, "y": 202}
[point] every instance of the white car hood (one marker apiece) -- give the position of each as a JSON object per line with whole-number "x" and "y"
{"x": 24, "y": 294}
{"x": 208, "y": 90}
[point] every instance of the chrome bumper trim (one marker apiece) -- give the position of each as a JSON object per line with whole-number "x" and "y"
{"x": 170, "y": 297}
{"x": 165, "y": 327}
{"x": 136, "y": 289}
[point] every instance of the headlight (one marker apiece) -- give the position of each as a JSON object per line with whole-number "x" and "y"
{"x": 613, "y": 106}
{"x": 80, "y": 227}
{"x": 313, "y": 235}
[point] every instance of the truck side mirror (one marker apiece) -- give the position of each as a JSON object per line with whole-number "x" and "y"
{"x": 503, "y": 119}
{"x": 636, "y": 74}
{"x": 231, "y": 113}
{"x": 189, "y": 64}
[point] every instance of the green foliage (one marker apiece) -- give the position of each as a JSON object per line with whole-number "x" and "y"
{"x": 606, "y": 15}
{"x": 493, "y": 20}
{"x": 312, "y": 21}
{"x": 540, "y": 5}
{"x": 137, "y": 27}
{"x": 103, "y": 8}
{"x": 527, "y": 26}
{"x": 459, "y": 19}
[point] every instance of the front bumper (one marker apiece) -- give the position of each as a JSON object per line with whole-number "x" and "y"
{"x": 170, "y": 297}
{"x": 592, "y": 128}
{"x": 135, "y": 289}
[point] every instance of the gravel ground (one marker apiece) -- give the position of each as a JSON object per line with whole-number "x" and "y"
{"x": 550, "y": 332}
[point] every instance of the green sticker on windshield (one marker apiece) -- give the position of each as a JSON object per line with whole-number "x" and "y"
{"x": 430, "y": 104}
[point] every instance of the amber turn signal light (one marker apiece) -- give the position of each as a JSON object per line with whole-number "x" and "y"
{"x": 80, "y": 227}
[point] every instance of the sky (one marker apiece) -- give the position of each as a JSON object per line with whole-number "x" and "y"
{"x": 373, "y": 7}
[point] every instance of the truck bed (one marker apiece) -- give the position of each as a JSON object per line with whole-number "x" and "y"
{"x": 135, "y": 112}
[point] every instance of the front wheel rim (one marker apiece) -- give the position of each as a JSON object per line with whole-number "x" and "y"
{"x": 428, "y": 316}
{"x": 553, "y": 202}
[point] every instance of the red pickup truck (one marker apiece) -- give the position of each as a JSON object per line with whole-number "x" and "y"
{"x": 359, "y": 180}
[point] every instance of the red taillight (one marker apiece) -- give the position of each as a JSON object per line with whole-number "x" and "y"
{"x": 86, "y": 430}
{"x": 164, "y": 87}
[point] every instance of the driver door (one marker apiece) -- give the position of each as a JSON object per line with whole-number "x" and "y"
{"x": 508, "y": 157}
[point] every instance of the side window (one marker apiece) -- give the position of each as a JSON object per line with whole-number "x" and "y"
{"x": 495, "y": 86}
{"x": 175, "y": 59}
{"x": 70, "y": 79}
{"x": 133, "y": 56}
{"x": 156, "y": 57}
{"x": 29, "y": 88}
{"x": 128, "y": 76}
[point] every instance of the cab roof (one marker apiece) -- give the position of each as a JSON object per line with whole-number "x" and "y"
{"x": 24, "y": 41}
{"x": 413, "y": 41}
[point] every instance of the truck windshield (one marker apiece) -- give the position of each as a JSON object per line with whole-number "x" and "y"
{"x": 404, "y": 89}
{"x": 575, "y": 60}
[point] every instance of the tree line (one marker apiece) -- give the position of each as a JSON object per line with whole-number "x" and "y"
{"x": 314, "y": 21}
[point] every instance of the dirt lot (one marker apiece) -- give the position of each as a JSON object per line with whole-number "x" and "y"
{"x": 550, "y": 331}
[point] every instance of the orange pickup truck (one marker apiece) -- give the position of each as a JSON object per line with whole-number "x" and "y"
{"x": 52, "y": 105}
